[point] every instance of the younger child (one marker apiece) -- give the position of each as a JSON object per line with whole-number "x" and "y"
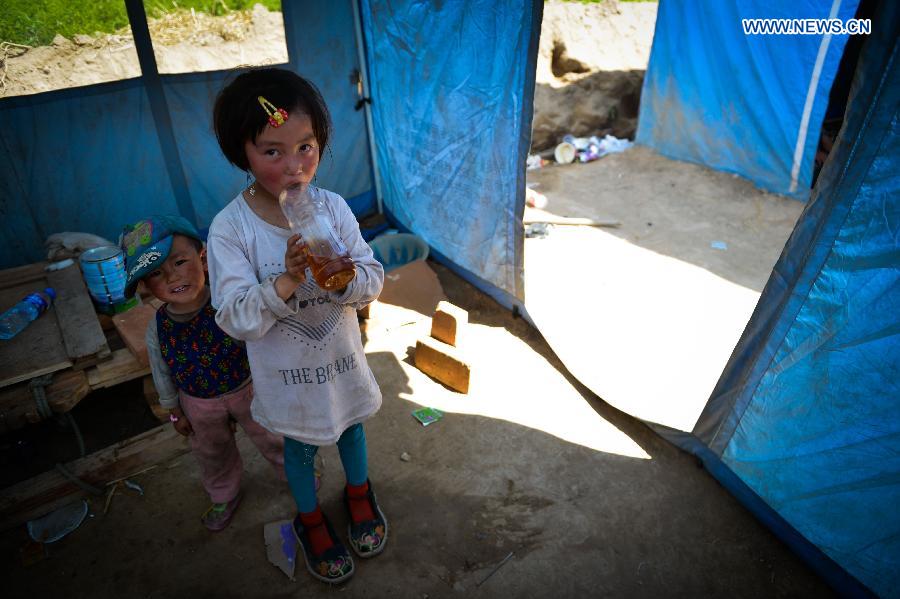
{"x": 202, "y": 375}
{"x": 313, "y": 383}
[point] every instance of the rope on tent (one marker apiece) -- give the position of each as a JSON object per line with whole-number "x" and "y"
{"x": 38, "y": 386}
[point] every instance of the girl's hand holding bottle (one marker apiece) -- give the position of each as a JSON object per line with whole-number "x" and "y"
{"x": 295, "y": 264}
{"x": 329, "y": 261}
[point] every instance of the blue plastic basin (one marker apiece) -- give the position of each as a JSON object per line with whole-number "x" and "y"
{"x": 396, "y": 249}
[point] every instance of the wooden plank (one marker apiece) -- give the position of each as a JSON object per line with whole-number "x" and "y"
{"x": 81, "y": 331}
{"x": 21, "y": 274}
{"x": 536, "y": 215}
{"x": 18, "y": 407}
{"x": 39, "y": 348}
{"x": 88, "y": 361}
{"x": 39, "y": 495}
{"x": 151, "y": 396}
{"x": 106, "y": 322}
{"x": 132, "y": 328}
{"x": 122, "y": 367}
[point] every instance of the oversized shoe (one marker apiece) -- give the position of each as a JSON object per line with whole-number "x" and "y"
{"x": 367, "y": 538}
{"x": 219, "y": 515}
{"x": 333, "y": 566}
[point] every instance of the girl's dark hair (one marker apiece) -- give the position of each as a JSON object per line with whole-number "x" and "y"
{"x": 238, "y": 117}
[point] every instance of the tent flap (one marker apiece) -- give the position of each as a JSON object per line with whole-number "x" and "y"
{"x": 805, "y": 414}
{"x": 746, "y": 104}
{"x": 452, "y": 87}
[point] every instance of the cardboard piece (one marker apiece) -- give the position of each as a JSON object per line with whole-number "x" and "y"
{"x": 281, "y": 546}
{"x": 411, "y": 293}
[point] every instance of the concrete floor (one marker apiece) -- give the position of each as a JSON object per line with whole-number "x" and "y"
{"x": 588, "y": 501}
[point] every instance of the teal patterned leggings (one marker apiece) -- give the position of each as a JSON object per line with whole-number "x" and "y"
{"x": 299, "y": 460}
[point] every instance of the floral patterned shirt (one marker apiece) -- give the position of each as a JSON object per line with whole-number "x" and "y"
{"x": 203, "y": 360}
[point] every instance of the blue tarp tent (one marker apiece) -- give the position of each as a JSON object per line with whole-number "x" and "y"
{"x": 450, "y": 124}
{"x": 747, "y": 104}
{"x": 803, "y": 425}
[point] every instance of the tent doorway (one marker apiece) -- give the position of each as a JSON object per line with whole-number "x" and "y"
{"x": 648, "y": 313}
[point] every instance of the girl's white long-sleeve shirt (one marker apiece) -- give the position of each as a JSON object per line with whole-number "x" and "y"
{"x": 310, "y": 374}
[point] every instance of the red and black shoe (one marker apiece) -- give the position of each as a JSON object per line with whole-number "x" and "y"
{"x": 334, "y": 565}
{"x": 367, "y": 533}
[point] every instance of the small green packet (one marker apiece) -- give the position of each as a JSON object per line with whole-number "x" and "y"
{"x": 427, "y": 415}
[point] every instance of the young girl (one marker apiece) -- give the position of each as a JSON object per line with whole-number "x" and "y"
{"x": 312, "y": 382}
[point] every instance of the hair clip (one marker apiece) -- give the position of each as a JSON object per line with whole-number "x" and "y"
{"x": 277, "y": 116}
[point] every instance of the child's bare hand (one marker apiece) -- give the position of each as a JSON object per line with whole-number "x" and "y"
{"x": 295, "y": 259}
{"x": 182, "y": 425}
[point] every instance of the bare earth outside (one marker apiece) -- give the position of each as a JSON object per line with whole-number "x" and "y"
{"x": 658, "y": 304}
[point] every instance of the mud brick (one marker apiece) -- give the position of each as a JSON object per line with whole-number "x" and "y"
{"x": 448, "y": 323}
{"x": 444, "y": 363}
{"x": 132, "y": 328}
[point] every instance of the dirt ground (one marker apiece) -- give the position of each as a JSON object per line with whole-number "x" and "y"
{"x": 590, "y": 68}
{"x": 664, "y": 297}
{"x": 588, "y": 500}
{"x": 181, "y": 44}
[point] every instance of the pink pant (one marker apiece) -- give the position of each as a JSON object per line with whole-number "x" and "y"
{"x": 213, "y": 442}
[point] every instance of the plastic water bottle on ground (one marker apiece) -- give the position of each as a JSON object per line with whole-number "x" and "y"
{"x": 17, "y": 318}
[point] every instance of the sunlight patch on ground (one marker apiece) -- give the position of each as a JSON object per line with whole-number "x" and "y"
{"x": 648, "y": 333}
{"x": 512, "y": 382}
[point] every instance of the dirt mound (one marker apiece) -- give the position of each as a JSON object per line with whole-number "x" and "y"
{"x": 590, "y": 69}
{"x": 183, "y": 42}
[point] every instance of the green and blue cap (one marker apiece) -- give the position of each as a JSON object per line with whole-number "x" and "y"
{"x": 147, "y": 244}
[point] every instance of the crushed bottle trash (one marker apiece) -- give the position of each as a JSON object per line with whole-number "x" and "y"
{"x": 534, "y": 162}
{"x": 588, "y": 149}
{"x": 565, "y": 153}
{"x": 134, "y": 486}
{"x": 535, "y": 199}
{"x": 538, "y": 230}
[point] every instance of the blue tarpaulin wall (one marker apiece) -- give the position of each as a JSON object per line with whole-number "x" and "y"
{"x": 804, "y": 424}
{"x": 93, "y": 158}
{"x": 747, "y": 104}
{"x": 452, "y": 124}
